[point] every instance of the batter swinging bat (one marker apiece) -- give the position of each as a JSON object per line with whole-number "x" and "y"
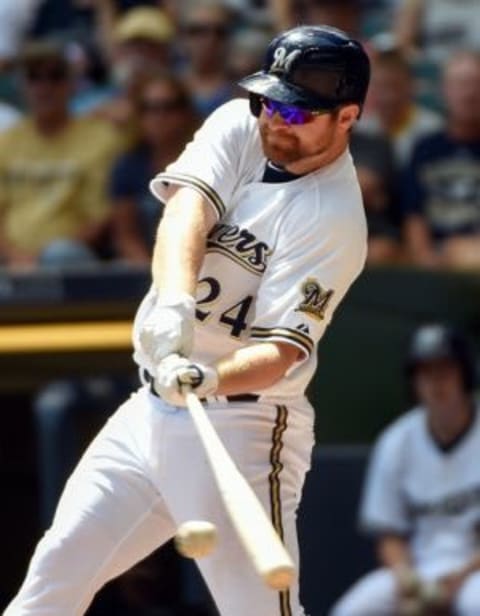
{"x": 263, "y": 545}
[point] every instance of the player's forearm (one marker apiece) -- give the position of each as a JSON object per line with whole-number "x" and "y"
{"x": 394, "y": 552}
{"x": 472, "y": 566}
{"x": 255, "y": 367}
{"x": 181, "y": 243}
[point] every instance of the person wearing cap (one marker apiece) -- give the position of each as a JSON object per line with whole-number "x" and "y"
{"x": 53, "y": 170}
{"x": 145, "y": 31}
{"x": 263, "y": 232}
{"x": 421, "y": 499}
{"x": 141, "y": 46}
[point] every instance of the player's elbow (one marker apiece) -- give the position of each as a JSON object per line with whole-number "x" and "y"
{"x": 286, "y": 356}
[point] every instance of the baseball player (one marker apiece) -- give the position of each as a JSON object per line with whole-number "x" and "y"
{"x": 262, "y": 235}
{"x": 422, "y": 495}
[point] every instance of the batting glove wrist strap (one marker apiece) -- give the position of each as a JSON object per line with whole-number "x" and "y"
{"x": 177, "y": 374}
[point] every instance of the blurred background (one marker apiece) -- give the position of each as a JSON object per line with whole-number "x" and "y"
{"x": 98, "y": 95}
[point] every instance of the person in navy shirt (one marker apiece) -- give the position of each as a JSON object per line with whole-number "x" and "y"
{"x": 441, "y": 201}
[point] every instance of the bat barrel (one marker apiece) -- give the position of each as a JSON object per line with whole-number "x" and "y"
{"x": 254, "y": 528}
{"x": 280, "y": 577}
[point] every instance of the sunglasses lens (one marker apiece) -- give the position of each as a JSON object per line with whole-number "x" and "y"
{"x": 294, "y": 115}
{"x": 289, "y": 113}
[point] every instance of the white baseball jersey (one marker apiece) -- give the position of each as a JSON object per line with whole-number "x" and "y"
{"x": 281, "y": 256}
{"x": 278, "y": 262}
{"x": 431, "y": 495}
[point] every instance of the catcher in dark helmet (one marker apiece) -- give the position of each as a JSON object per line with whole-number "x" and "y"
{"x": 422, "y": 494}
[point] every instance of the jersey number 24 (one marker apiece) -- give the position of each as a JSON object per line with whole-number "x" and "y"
{"x": 235, "y": 317}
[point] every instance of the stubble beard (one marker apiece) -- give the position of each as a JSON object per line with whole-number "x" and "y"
{"x": 282, "y": 150}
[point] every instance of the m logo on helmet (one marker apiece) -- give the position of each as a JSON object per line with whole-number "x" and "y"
{"x": 282, "y": 60}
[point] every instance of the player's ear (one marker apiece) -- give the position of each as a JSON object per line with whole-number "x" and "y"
{"x": 347, "y": 116}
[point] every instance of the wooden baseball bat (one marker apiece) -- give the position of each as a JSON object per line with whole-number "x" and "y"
{"x": 255, "y": 531}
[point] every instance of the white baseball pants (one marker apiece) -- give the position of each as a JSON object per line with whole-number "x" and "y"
{"x": 375, "y": 595}
{"x": 146, "y": 473}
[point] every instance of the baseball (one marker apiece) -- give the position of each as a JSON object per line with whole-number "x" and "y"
{"x": 196, "y": 538}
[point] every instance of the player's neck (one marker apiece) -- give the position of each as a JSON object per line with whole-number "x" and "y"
{"x": 317, "y": 161}
{"x": 448, "y": 426}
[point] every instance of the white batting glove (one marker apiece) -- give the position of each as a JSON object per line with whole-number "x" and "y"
{"x": 168, "y": 328}
{"x": 175, "y": 373}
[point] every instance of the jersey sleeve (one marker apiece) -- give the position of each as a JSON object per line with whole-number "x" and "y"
{"x": 210, "y": 163}
{"x": 384, "y": 508}
{"x": 306, "y": 279}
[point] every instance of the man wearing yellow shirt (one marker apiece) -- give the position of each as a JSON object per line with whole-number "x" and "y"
{"x": 53, "y": 170}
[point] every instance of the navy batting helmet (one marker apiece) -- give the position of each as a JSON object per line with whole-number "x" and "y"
{"x": 437, "y": 341}
{"x": 313, "y": 67}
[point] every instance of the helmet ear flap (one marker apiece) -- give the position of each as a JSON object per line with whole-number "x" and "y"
{"x": 255, "y": 104}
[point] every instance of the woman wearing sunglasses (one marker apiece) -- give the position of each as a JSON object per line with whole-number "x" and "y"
{"x": 166, "y": 121}
{"x": 262, "y": 235}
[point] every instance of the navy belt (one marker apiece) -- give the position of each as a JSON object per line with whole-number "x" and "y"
{"x": 210, "y": 399}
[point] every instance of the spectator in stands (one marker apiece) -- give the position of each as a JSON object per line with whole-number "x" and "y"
{"x": 141, "y": 45}
{"x": 343, "y": 14}
{"x": 393, "y": 111}
{"x": 247, "y": 52}
{"x": 90, "y": 76}
{"x": 206, "y": 33}
{"x": 15, "y": 20}
{"x": 167, "y": 122}
{"x": 422, "y": 495}
{"x": 53, "y": 170}
{"x": 437, "y": 27}
{"x": 9, "y": 116}
{"x": 442, "y": 183}
{"x": 376, "y": 171}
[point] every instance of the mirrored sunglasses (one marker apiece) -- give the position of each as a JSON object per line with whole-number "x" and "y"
{"x": 291, "y": 114}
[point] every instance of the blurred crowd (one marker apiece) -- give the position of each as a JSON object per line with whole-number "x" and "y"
{"x": 99, "y": 95}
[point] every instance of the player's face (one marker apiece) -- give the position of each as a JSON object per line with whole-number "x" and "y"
{"x": 439, "y": 385}
{"x": 287, "y": 144}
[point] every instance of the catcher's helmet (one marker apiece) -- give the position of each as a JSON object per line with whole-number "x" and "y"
{"x": 313, "y": 67}
{"x": 437, "y": 341}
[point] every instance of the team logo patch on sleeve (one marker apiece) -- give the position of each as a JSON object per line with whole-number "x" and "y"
{"x": 316, "y": 299}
